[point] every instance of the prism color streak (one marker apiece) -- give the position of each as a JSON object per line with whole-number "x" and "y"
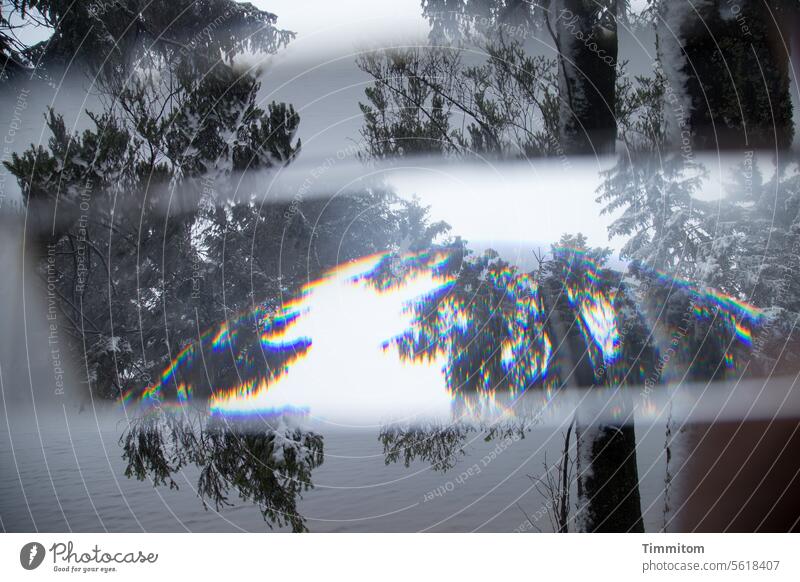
{"x": 393, "y": 336}
{"x": 330, "y": 337}
{"x": 492, "y": 338}
{"x": 340, "y": 323}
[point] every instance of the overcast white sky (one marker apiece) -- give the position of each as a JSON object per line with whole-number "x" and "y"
{"x": 307, "y": 17}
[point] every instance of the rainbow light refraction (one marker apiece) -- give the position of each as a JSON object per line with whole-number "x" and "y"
{"x": 351, "y": 338}
{"x": 597, "y": 313}
{"x": 489, "y": 339}
{"x": 340, "y": 322}
{"x": 597, "y": 318}
{"x": 371, "y": 296}
{"x": 738, "y": 315}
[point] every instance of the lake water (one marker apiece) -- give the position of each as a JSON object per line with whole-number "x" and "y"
{"x": 68, "y": 476}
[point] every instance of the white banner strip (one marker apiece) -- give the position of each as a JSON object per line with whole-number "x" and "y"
{"x": 355, "y": 557}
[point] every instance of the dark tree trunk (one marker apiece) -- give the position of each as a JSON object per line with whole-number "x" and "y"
{"x": 608, "y": 487}
{"x": 734, "y": 69}
{"x": 586, "y": 33}
{"x": 607, "y": 473}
